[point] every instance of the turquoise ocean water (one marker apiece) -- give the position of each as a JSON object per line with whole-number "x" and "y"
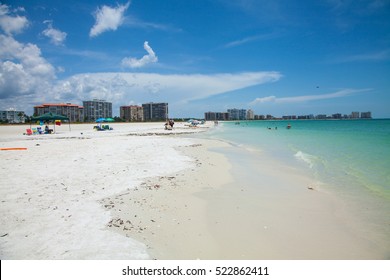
{"x": 348, "y": 156}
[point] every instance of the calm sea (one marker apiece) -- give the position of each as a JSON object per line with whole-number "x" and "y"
{"x": 351, "y": 156}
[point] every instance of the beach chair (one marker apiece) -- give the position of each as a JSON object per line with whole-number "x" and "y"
{"x": 29, "y": 131}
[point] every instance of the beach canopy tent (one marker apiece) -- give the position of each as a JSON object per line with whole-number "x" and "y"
{"x": 50, "y": 117}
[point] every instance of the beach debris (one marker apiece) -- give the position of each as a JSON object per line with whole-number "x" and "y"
{"x": 195, "y": 145}
{"x": 4, "y": 235}
{"x": 310, "y": 188}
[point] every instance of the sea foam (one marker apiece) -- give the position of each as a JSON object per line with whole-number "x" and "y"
{"x": 307, "y": 158}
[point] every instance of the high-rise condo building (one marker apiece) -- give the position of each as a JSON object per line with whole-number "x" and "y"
{"x": 132, "y": 113}
{"x": 96, "y": 109}
{"x": 250, "y": 115}
{"x": 216, "y": 116}
{"x": 155, "y": 111}
{"x": 237, "y": 114}
{"x": 365, "y": 115}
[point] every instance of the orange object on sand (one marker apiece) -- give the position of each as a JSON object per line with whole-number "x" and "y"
{"x": 12, "y": 149}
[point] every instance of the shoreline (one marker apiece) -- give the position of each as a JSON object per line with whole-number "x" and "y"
{"x": 263, "y": 216}
{"x": 168, "y": 213}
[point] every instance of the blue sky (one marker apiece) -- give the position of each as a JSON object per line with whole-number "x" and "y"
{"x": 274, "y": 57}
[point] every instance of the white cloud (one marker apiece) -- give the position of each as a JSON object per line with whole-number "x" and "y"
{"x": 250, "y": 39}
{"x": 56, "y": 36}
{"x": 266, "y": 99}
{"x": 11, "y": 24}
{"x": 108, "y": 18}
{"x": 121, "y": 88}
{"x": 138, "y": 63}
{"x": 383, "y": 55}
{"x": 23, "y": 71}
{"x": 306, "y": 98}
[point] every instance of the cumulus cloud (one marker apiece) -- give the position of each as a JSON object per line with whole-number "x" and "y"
{"x": 121, "y": 88}
{"x": 23, "y": 70}
{"x": 9, "y": 23}
{"x": 108, "y": 18}
{"x": 56, "y": 36}
{"x": 138, "y": 63}
{"x": 305, "y": 98}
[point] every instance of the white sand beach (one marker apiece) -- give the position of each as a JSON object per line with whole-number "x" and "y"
{"x": 50, "y": 193}
{"x": 141, "y": 192}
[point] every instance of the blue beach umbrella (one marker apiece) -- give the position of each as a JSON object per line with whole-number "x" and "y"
{"x": 99, "y": 120}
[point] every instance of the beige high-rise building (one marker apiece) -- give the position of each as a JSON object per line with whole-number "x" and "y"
{"x": 132, "y": 113}
{"x": 250, "y": 115}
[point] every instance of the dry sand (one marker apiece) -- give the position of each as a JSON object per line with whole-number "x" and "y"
{"x": 119, "y": 195}
{"x": 50, "y": 192}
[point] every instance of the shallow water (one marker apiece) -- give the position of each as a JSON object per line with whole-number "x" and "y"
{"x": 350, "y": 155}
{"x": 349, "y": 159}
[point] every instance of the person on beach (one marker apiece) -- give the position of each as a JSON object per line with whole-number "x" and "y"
{"x": 47, "y": 130}
{"x": 168, "y": 126}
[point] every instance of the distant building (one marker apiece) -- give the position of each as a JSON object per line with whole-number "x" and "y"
{"x": 132, "y": 113}
{"x": 292, "y": 117}
{"x": 155, "y": 111}
{"x": 96, "y": 109}
{"x": 216, "y": 116}
{"x": 237, "y": 114}
{"x": 305, "y": 117}
{"x": 12, "y": 116}
{"x": 337, "y": 116}
{"x": 365, "y": 115}
{"x": 321, "y": 117}
{"x": 75, "y": 113}
{"x": 250, "y": 115}
{"x": 259, "y": 117}
{"x": 355, "y": 115}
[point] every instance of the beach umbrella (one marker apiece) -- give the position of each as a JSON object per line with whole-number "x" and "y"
{"x": 100, "y": 120}
{"x": 49, "y": 117}
{"x": 110, "y": 120}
